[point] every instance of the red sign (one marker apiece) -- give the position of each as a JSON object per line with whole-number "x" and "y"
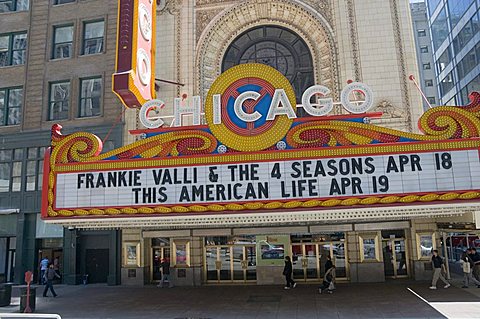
{"x": 134, "y": 77}
{"x": 28, "y": 277}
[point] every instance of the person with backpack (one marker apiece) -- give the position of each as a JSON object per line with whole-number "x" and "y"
{"x": 467, "y": 267}
{"x": 50, "y": 275}
{"x": 437, "y": 263}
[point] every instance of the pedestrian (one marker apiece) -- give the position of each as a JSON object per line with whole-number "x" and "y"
{"x": 328, "y": 263}
{"x": 165, "y": 266}
{"x": 328, "y": 284}
{"x": 43, "y": 268}
{"x": 50, "y": 275}
{"x": 476, "y": 263}
{"x": 437, "y": 263}
{"x": 287, "y": 272}
{"x": 467, "y": 263}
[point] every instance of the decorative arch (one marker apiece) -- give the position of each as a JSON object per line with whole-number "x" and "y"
{"x": 293, "y": 15}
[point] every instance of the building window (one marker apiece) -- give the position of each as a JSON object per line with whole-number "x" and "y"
{"x": 34, "y": 174}
{"x": 277, "y": 47}
{"x": 17, "y": 169}
{"x": 424, "y": 49}
{"x": 466, "y": 34}
{"x": 446, "y": 84}
{"x": 432, "y": 4}
{"x": 55, "y": 2}
{"x": 428, "y": 82}
{"x": 444, "y": 60}
{"x": 59, "y": 101}
{"x": 62, "y": 42}
{"x": 13, "y": 48}
{"x": 426, "y": 66}
{"x": 11, "y": 101}
{"x": 5, "y": 168}
{"x": 431, "y": 100}
{"x": 439, "y": 29}
{"x": 422, "y": 33}
{"x": 90, "y": 97}
{"x": 469, "y": 62}
{"x": 93, "y": 37}
{"x": 13, "y": 5}
{"x": 457, "y": 9}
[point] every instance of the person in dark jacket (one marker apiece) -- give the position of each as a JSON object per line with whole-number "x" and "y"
{"x": 437, "y": 263}
{"x": 49, "y": 276}
{"x": 165, "y": 264}
{"x": 287, "y": 272}
{"x": 328, "y": 263}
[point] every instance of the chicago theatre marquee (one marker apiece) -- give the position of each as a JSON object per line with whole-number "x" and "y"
{"x": 278, "y": 158}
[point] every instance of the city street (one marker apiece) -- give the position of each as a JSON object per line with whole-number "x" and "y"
{"x": 382, "y": 300}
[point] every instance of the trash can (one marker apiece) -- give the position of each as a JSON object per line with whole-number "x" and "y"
{"x": 5, "y": 294}
{"x": 23, "y": 298}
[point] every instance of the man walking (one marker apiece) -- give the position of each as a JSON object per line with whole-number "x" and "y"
{"x": 43, "y": 268}
{"x": 165, "y": 264}
{"x": 50, "y": 275}
{"x": 437, "y": 263}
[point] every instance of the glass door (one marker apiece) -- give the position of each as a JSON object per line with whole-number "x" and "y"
{"x": 336, "y": 250}
{"x": 395, "y": 258}
{"x": 158, "y": 253}
{"x": 230, "y": 263}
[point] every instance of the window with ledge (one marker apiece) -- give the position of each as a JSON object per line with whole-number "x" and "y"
{"x": 59, "y": 101}
{"x": 13, "y": 47}
{"x": 11, "y": 100}
{"x": 13, "y": 5}
{"x": 90, "y": 97}
{"x": 422, "y": 33}
{"x": 56, "y": 2}
{"x": 424, "y": 49}
{"x": 17, "y": 169}
{"x": 426, "y": 66}
{"x": 428, "y": 82}
{"x": 93, "y": 37}
{"x": 431, "y": 100}
{"x": 62, "y": 42}
{"x": 5, "y": 170}
{"x": 34, "y": 173}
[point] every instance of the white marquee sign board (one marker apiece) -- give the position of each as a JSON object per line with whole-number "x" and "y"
{"x": 324, "y": 178}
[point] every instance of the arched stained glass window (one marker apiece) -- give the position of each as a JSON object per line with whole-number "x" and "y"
{"x": 277, "y": 47}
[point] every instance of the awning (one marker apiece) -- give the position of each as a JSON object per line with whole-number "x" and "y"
{"x": 9, "y": 211}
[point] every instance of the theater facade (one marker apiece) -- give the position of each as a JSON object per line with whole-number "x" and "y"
{"x": 284, "y": 130}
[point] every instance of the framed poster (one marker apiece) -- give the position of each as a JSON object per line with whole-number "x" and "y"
{"x": 131, "y": 254}
{"x": 181, "y": 256}
{"x": 369, "y": 247}
{"x": 425, "y": 245}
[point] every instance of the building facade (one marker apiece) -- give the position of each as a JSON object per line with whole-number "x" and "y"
{"x": 56, "y": 60}
{"x": 309, "y": 42}
{"x": 454, "y": 28}
{"x": 423, "y": 40}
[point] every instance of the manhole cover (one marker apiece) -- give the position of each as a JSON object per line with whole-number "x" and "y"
{"x": 264, "y": 299}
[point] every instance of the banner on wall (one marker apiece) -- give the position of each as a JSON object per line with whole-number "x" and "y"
{"x": 256, "y": 155}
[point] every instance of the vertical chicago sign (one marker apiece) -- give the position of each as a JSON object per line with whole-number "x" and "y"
{"x": 134, "y": 78}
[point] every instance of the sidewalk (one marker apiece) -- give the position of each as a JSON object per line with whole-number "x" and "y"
{"x": 379, "y": 300}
